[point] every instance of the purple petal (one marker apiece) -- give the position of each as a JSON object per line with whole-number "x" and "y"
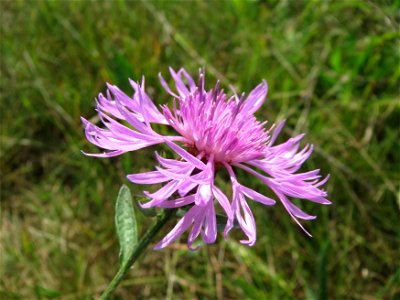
{"x": 166, "y": 87}
{"x": 276, "y": 132}
{"x": 256, "y": 196}
{"x": 148, "y": 177}
{"x": 246, "y": 222}
{"x": 122, "y": 131}
{"x": 196, "y": 229}
{"x": 256, "y": 98}
{"x": 105, "y": 154}
{"x": 186, "y": 186}
{"x": 170, "y": 163}
{"x": 180, "y": 86}
{"x": 190, "y": 80}
{"x": 148, "y": 105}
{"x": 322, "y": 182}
{"x": 186, "y": 155}
{"x": 203, "y": 195}
{"x": 175, "y": 203}
{"x": 223, "y": 201}
{"x": 285, "y": 202}
{"x": 297, "y": 212}
{"x": 164, "y": 192}
{"x": 210, "y": 224}
{"x": 161, "y": 195}
{"x": 177, "y": 174}
{"x": 179, "y": 228}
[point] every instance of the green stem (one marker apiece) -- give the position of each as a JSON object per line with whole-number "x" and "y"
{"x": 162, "y": 218}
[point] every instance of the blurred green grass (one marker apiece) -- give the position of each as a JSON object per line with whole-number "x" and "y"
{"x": 333, "y": 72}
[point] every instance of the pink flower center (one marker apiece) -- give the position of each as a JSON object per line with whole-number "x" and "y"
{"x": 218, "y": 126}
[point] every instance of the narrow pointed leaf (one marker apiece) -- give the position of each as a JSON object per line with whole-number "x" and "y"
{"x": 125, "y": 222}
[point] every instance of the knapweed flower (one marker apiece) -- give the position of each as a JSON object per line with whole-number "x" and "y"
{"x": 213, "y": 131}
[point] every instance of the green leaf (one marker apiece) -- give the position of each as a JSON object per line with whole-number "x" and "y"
{"x": 125, "y": 223}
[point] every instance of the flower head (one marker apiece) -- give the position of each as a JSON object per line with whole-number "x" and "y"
{"x": 213, "y": 131}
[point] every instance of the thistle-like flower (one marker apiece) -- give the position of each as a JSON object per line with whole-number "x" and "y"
{"x": 213, "y": 131}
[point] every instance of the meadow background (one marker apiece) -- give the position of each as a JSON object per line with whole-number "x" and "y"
{"x": 333, "y": 72}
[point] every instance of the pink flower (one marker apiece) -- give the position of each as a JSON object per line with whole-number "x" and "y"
{"x": 213, "y": 131}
